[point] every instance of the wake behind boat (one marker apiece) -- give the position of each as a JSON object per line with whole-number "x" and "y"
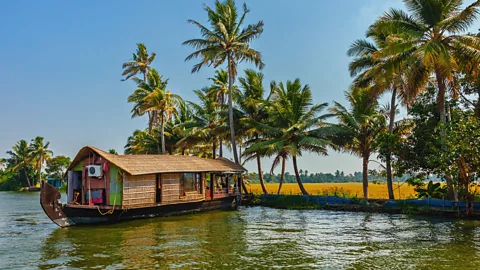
{"x": 104, "y": 187}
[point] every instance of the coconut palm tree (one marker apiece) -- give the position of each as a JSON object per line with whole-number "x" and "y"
{"x": 163, "y": 106}
{"x": 178, "y": 129}
{"x": 360, "y": 125}
{"x": 205, "y": 125}
{"x": 226, "y": 40}
{"x": 40, "y": 154}
{"x": 20, "y": 159}
{"x": 433, "y": 33}
{"x": 219, "y": 90}
{"x": 380, "y": 76}
{"x": 253, "y": 108}
{"x": 295, "y": 125}
{"x": 140, "y": 63}
{"x": 144, "y": 89}
{"x": 141, "y": 142}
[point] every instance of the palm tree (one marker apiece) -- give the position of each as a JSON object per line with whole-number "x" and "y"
{"x": 254, "y": 108}
{"x": 163, "y": 106}
{"x": 178, "y": 128}
{"x": 295, "y": 125}
{"x": 380, "y": 75}
{"x": 144, "y": 89}
{"x": 219, "y": 90}
{"x": 226, "y": 40}
{"x": 141, "y": 142}
{"x": 360, "y": 126}
{"x": 433, "y": 35}
{"x": 40, "y": 154}
{"x": 140, "y": 63}
{"x": 205, "y": 125}
{"x": 20, "y": 159}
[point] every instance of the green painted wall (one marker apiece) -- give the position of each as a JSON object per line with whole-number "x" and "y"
{"x": 116, "y": 188}
{"x": 78, "y": 167}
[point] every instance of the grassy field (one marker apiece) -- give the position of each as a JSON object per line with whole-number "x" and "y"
{"x": 376, "y": 191}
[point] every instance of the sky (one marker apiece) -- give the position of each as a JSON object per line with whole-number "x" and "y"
{"x": 60, "y": 69}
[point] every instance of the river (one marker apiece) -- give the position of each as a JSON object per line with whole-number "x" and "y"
{"x": 250, "y": 238}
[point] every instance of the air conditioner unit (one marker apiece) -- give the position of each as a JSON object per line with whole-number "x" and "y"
{"x": 95, "y": 171}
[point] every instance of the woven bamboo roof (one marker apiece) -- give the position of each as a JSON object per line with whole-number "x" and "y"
{"x": 147, "y": 164}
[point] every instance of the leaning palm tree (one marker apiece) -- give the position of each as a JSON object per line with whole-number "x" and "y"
{"x": 433, "y": 33}
{"x": 226, "y": 40}
{"x": 40, "y": 154}
{"x": 144, "y": 89}
{"x": 360, "y": 125}
{"x": 253, "y": 108}
{"x": 140, "y": 63}
{"x": 295, "y": 125}
{"x": 20, "y": 159}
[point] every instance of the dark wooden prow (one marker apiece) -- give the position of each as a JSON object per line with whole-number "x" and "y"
{"x": 49, "y": 197}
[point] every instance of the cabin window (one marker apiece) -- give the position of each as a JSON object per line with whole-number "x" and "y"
{"x": 189, "y": 182}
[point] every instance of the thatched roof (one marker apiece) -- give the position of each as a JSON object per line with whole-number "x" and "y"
{"x": 147, "y": 164}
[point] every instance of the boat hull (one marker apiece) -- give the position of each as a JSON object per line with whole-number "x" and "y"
{"x": 65, "y": 215}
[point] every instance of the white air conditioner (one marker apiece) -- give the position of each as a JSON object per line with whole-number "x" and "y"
{"x": 95, "y": 171}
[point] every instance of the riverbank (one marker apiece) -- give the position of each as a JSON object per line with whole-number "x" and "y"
{"x": 431, "y": 207}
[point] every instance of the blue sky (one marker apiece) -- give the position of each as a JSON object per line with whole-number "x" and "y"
{"x": 60, "y": 67}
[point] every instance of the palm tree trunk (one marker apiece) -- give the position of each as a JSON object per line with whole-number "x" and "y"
{"x": 150, "y": 122}
{"x": 388, "y": 157}
{"x": 39, "y": 170}
{"x": 214, "y": 149}
{"x": 260, "y": 175}
{"x": 299, "y": 180}
{"x": 230, "y": 108}
{"x": 162, "y": 135}
{"x": 443, "y": 120}
{"x": 282, "y": 176}
{"x": 26, "y": 177}
{"x": 244, "y": 187}
{"x": 220, "y": 150}
{"x": 366, "y": 156}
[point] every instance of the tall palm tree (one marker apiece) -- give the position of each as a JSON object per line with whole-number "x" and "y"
{"x": 144, "y": 89}
{"x": 360, "y": 126}
{"x": 254, "y": 108}
{"x": 21, "y": 159}
{"x": 380, "y": 76}
{"x": 295, "y": 125}
{"x": 40, "y": 154}
{"x": 140, "y": 63}
{"x": 226, "y": 40}
{"x": 432, "y": 32}
{"x": 219, "y": 90}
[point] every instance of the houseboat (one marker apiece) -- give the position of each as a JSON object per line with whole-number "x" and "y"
{"x": 103, "y": 187}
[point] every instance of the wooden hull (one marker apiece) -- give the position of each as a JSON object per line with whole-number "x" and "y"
{"x": 65, "y": 215}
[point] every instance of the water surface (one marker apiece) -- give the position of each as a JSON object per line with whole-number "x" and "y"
{"x": 249, "y": 238}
